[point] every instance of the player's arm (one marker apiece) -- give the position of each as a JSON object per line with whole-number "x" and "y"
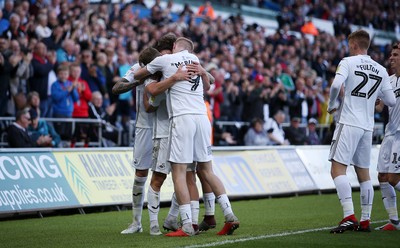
{"x": 379, "y": 105}
{"x": 156, "y": 89}
{"x": 334, "y": 93}
{"x": 211, "y": 78}
{"x": 388, "y": 96}
{"x": 127, "y": 82}
{"x": 147, "y": 100}
{"x": 141, "y": 73}
{"x": 123, "y": 85}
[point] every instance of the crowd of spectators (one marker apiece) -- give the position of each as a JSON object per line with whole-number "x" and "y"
{"x": 256, "y": 75}
{"x": 375, "y": 13}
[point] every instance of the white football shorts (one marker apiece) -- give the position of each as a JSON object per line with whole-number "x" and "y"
{"x": 190, "y": 139}
{"x": 160, "y": 156}
{"x": 388, "y": 160}
{"x": 142, "y": 150}
{"x": 351, "y": 146}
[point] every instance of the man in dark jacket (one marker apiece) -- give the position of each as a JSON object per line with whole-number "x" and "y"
{"x": 17, "y": 134}
{"x": 5, "y": 72}
{"x": 40, "y": 80}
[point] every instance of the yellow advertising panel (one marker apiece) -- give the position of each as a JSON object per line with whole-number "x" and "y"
{"x": 98, "y": 177}
{"x": 253, "y": 172}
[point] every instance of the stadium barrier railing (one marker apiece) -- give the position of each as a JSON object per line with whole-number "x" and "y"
{"x": 99, "y": 123}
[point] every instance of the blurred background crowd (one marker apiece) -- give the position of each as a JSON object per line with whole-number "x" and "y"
{"x": 62, "y": 57}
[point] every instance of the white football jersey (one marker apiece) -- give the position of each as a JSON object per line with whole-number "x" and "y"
{"x": 393, "y": 125}
{"x": 143, "y": 119}
{"x": 365, "y": 80}
{"x": 183, "y": 97}
{"x": 160, "y": 120}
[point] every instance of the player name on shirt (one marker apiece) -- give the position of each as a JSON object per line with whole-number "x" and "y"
{"x": 368, "y": 67}
{"x": 185, "y": 62}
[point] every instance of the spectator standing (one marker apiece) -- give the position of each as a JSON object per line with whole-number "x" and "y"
{"x": 14, "y": 31}
{"x": 325, "y": 117}
{"x": 278, "y": 99}
{"x": 186, "y": 11}
{"x": 215, "y": 93}
{"x": 5, "y": 75}
{"x": 42, "y": 30}
{"x": 64, "y": 95}
{"x": 255, "y": 96}
{"x": 108, "y": 72}
{"x": 4, "y": 23}
{"x": 20, "y": 59}
{"x": 21, "y": 71}
{"x": 125, "y": 100}
{"x": 97, "y": 111}
{"x": 67, "y": 51}
{"x": 92, "y": 74}
{"x": 39, "y": 81}
{"x": 309, "y": 27}
{"x": 283, "y": 78}
{"x": 8, "y": 9}
{"x": 81, "y": 107}
{"x": 207, "y": 10}
{"x": 298, "y": 106}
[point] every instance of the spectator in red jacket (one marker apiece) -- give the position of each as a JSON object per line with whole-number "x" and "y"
{"x": 81, "y": 107}
{"x": 215, "y": 93}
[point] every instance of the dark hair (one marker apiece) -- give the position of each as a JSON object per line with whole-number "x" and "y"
{"x": 166, "y": 42}
{"x": 255, "y": 121}
{"x": 147, "y": 55}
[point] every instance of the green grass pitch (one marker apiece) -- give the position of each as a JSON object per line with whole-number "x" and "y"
{"x": 302, "y": 221}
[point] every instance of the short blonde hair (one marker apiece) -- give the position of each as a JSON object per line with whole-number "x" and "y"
{"x": 185, "y": 43}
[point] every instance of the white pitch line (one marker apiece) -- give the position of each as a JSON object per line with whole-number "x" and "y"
{"x": 266, "y": 236}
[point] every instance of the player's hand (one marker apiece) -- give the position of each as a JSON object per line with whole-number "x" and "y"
{"x": 182, "y": 74}
{"x": 378, "y": 101}
{"x": 196, "y": 68}
{"x": 331, "y": 111}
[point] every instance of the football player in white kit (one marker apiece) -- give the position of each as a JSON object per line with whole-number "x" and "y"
{"x": 364, "y": 80}
{"x": 190, "y": 134}
{"x": 389, "y": 153}
{"x": 142, "y": 151}
{"x": 160, "y": 165}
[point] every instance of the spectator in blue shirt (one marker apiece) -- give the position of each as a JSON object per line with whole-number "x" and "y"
{"x": 64, "y": 95}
